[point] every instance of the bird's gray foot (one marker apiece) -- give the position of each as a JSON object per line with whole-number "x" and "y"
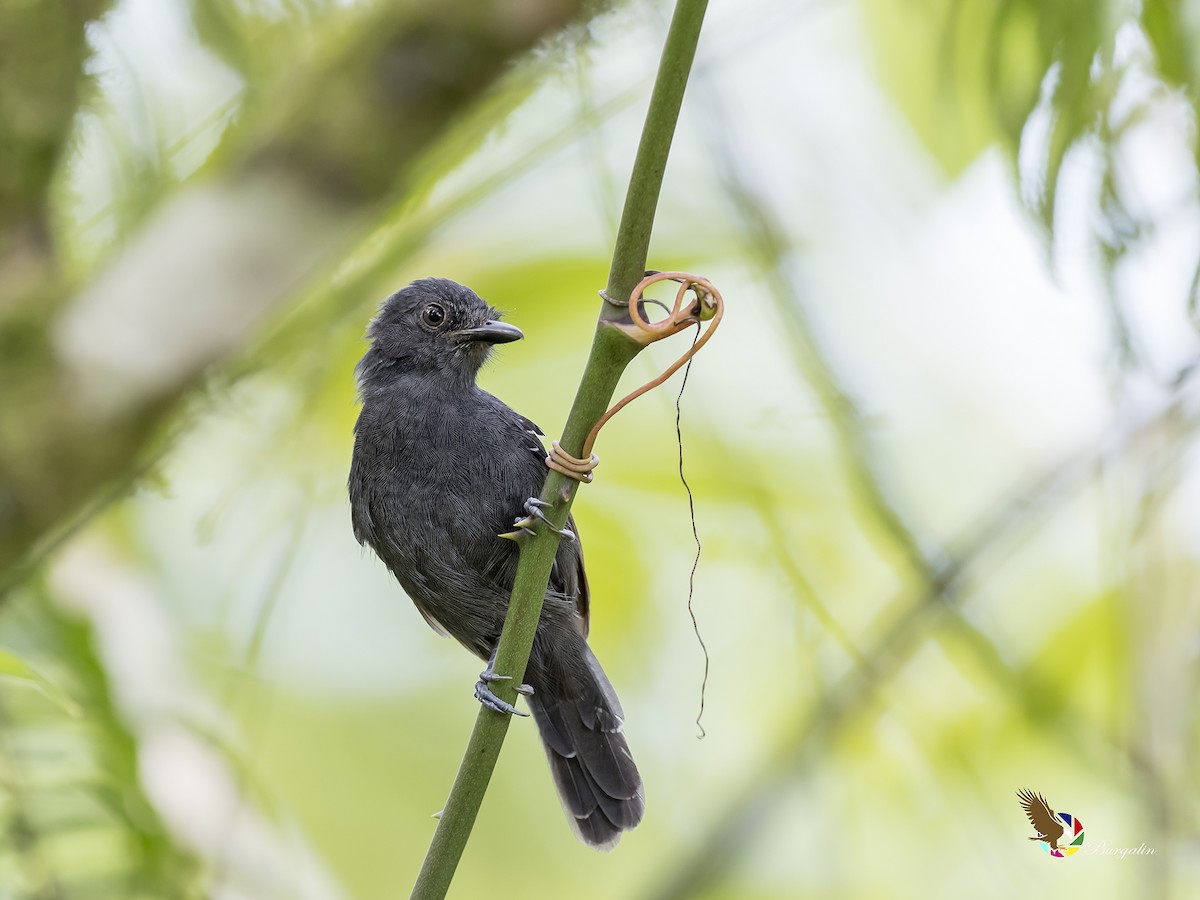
{"x": 528, "y": 525}
{"x": 489, "y": 676}
{"x": 484, "y": 694}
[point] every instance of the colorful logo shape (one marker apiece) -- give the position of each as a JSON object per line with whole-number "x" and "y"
{"x": 1072, "y": 833}
{"x": 1061, "y": 834}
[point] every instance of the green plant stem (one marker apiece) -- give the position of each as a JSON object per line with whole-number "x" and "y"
{"x": 641, "y": 199}
{"x": 610, "y": 354}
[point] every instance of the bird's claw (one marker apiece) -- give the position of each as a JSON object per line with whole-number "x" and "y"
{"x": 490, "y": 676}
{"x": 528, "y": 525}
{"x": 484, "y": 694}
{"x": 523, "y": 528}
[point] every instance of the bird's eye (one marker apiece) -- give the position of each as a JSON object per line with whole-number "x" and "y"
{"x": 433, "y": 315}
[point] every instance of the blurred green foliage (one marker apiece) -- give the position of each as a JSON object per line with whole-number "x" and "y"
{"x": 946, "y": 488}
{"x": 77, "y": 820}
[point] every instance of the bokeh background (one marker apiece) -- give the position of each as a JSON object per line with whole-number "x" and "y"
{"x": 942, "y": 450}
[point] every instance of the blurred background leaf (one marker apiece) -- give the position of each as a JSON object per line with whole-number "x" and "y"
{"x": 943, "y": 452}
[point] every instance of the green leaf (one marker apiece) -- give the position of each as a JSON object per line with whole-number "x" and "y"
{"x": 1167, "y": 32}
{"x": 1173, "y": 28}
{"x": 967, "y": 75}
{"x": 12, "y": 666}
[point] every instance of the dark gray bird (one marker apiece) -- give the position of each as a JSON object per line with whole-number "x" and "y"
{"x": 440, "y": 468}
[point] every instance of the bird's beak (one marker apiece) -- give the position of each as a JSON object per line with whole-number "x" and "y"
{"x": 491, "y": 331}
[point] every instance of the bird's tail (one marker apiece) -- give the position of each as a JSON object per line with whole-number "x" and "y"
{"x": 597, "y": 781}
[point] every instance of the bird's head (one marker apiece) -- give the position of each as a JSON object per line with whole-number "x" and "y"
{"x": 434, "y": 327}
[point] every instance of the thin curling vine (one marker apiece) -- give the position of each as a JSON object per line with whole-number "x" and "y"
{"x": 708, "y": 306}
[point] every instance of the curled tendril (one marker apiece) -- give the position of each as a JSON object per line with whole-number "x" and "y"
{"x": 707, "y": 307}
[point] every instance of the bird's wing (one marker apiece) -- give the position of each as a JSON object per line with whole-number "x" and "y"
{"x": 531, "y": 426}
{"x": 567, "y": 576}
{"x": 583, "y": 600}
{"x": 534, "y": 436}
{"x": 438, "y": 627}
{"x": 1041, "y": 816}
{"x": 577, "y": 577}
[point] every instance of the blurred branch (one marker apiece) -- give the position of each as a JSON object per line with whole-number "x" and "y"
{"x": 90, "y": 379}
{"x": 1163, "y": 675}
{"x": 340, "y": 304}
{"x": 766, "y": 241}
{"x": 24, "y": 839}
{"x": 610, "y": 354}
{"x": 70, "y": 764}
{"x": 203, "y": 835}
{"x": 43, "y": 47}
{"x": 941, "y": 579}
{"x": 42, "y": 50}
{"x": 751, "y": 809}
